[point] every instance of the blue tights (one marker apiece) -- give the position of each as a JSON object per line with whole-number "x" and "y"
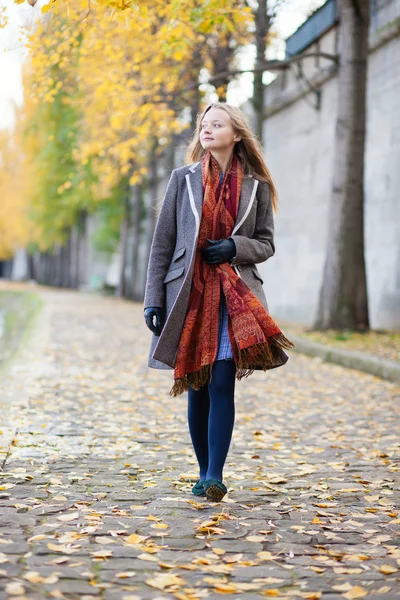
{"x": 211, "y": 416}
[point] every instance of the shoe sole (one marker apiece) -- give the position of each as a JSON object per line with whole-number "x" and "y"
{"x": 214, "y": 493}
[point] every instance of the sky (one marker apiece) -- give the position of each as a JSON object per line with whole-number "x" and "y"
{"x": 292, "y": 14}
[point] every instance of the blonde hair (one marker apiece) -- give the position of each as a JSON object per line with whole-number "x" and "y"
{"x": 248, "y": 150}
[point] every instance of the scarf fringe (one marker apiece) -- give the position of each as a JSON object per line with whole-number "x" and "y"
{"x": 196, "y": 380}
{"x": 263, "y": 355}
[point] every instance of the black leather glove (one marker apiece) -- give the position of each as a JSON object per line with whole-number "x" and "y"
{"x": 220, "y": 251}
{"x": 159, "y": 314}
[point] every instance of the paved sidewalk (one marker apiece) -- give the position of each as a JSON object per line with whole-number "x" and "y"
{"x": 95, "y": 494}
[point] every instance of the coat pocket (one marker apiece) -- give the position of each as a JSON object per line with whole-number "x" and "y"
{"x": 255, "y": 272}
{"x": 174, "y": 274}
{"x": 179, "y": 253}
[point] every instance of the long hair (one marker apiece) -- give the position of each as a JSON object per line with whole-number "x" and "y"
{"x": 248, "y": 150}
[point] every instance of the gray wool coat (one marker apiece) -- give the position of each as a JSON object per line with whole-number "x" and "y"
{"x": 172, "y": 255}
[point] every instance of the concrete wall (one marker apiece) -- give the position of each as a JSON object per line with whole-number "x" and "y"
{"x": 299, "y": 143}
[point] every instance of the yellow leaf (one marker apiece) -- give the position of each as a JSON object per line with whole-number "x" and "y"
{"x": 33, "y": 577}
{"x": 165, "y": 565}
{"x": 388, "y": 569}
{"x": 64, "y": 548}
{"x": 15, "y": 589}
{"x": 160, "y": 526}
{"x": 266, "y": 556}
{"x": 134, "y": 538}
{"x": 355, "y": 592}
{"x": 69, "y": 517}
{"x": 226, "y": 588}
{"x": 344, "y": 587}
{"x": 270, "y": 592}
{"x": 125, "y": 574}
{"x": 219, "y": 551}
{"x": 148, "y": 557}
{"x": 224, "y": 569}
{"x": 164, "y": 580}
{"x": 101, "y": 554}
{"x": 234, "y": 558}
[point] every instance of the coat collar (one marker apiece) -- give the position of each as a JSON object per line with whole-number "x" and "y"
{"x": 247, "y": 194}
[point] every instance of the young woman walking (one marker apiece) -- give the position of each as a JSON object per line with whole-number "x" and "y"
{"x": 203, "y": 289}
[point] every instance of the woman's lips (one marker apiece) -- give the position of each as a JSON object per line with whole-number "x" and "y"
{"x": 207, "y": 138}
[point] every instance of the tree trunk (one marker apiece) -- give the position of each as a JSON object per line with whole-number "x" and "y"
{"x": 83, "y": 249}
{"x": 65, "y": 254}
{"x": 31, "y": 267}
{"x": 123, "y": 246}
{"x": 262, "y": 22}
{"x": 73, "y": 263}
{"x": 136, "y": 217}
{"x": 343, "y": 301}
{"x": 152, "y": 199}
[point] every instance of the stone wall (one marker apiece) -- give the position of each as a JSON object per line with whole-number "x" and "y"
{"x": 299, "y": 142}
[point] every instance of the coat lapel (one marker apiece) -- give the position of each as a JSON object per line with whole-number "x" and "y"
{"x": 249, "y": 186}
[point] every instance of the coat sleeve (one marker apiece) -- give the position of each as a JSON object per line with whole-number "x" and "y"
{"x": 261, "y": 246}
{"x": 162, "y": 247}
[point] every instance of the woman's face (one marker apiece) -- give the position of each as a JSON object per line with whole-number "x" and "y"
{"x": 217, "y": 131}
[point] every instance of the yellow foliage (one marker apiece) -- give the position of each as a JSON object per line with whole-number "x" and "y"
{"x": 125, "y": 65}
{"x": 14, "y": 177}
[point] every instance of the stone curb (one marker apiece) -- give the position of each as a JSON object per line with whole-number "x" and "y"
{"x": 380, "y": 367}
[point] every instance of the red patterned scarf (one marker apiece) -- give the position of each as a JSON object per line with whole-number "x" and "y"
{"x": 255, "y": 339}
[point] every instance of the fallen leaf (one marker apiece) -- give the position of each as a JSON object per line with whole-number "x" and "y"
{"x": 219, "y": 551}
{"x": 344, "y": 587}
{"x": 135, "y": 539}
{"x": 69, "y": 517}
{"x": 37, "y": 537}
{"x": 164, "y": 580}
{"x": 64, "y": 548}
{"x": 148, "y": 557}
{"x": 234, "y": 558}
{"x": 355, "y": 592}
{"x": 15, "y": 589}
{"x": 101, "y": 554}
{"x": 266, "y": 556}
{"x": 160, "y": 526}
{"x": 388, "y": 569}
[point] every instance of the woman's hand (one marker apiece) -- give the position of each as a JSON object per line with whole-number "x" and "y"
{"x": 219, "y": 252}
{"x": 159, "y": 314}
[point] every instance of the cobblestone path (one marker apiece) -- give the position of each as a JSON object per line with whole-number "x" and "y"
{"x": 95, "y": 492}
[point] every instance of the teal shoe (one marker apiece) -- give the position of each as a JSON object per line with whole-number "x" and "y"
{"x": 198, "y": 488}
{"x": 214, "y": 489}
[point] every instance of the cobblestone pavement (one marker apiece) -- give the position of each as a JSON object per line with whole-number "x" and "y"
{"x": 95, "y": 493}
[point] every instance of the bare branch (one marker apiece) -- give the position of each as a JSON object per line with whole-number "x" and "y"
{"x": 276, "y": 65}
